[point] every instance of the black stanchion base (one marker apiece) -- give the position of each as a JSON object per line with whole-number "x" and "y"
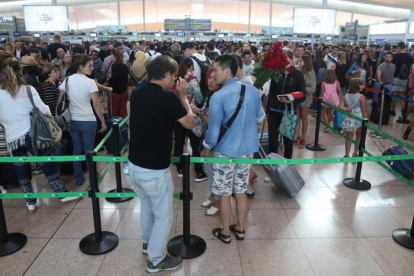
{"x": 196, "y": 247}
{"x": 403, "y": 121}
{"x": 119, "y": 199}
{"x": 314, "y": 147}
{"x": 362, "y": 185}
{"x": 402, "y": 237}
{"x": 90, "y": 246}
{"x": 14, "y": 242}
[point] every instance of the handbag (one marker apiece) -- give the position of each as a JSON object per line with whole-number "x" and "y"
{"x": 198, "y": 127}
{"x": 288, "y": 124}
{"x": 63, "y": 116}
{"x": 350, "y": 124}
{"x": 357, "y": 75}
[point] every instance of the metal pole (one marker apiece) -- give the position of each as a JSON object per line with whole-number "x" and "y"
{"x": 382, "y": 108}
{"x": 187, "y": 246}
{"x": 118, "y": 6}
{"x": 315, "y": 146}
{"x": 270, "y": 17}
{"x": 185, "y": 161}
{"x": 117, "y": 153}
{"x": 187, "y": 25}
{"x": 143, "y": 14}
{"x": 357, "y": 183}
{"x": 9, "y": 243}
{"x": 99, "y": 242}
{"x": 250, "y": 16}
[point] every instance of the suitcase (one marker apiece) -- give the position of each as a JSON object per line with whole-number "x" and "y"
{"x": 403, "y": 167}
{"x": 66, "y": 149}
{"x": 264, "y": 143}
{"x": 338, "y": 119}
{"x": 375, "y": 112}
{"x": 284, "y": 177}
{"x": 123, "y": 134}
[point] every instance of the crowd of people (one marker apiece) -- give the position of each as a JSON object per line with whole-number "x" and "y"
{"x": 200, "y": 91}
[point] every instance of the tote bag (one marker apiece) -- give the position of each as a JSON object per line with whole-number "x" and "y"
{"x": 288, "y": 124}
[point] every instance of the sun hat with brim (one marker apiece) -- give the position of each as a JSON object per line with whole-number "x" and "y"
{"x": 138, "y": 69}
{"x": 28, "y": 61}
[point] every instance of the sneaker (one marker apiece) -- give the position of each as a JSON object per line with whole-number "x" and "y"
{"x": 213, "y": 211}
{"x": 295, "y": 141}
{"x": 169, "y": 263}
{"x": 326, "y": 129}
{"x": 314, "y": 114}
{"x": 67, "y": 200}
{"x": 267, "y": 179}
{"x": 250, "y": 194}
{"x": 301, "y": 143}
{"x": 180, "y": 173}
{"x": 31, "y": 208}
{"x": 207, "y": 203}
{"x": 392, "y": 113}
{"x": 201, "y": 177}
{"x": 145, "y": 249}
{"x": 4, "y": 191}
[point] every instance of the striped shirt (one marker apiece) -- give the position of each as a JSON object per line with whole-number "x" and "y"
{"x": 50, "y": 96}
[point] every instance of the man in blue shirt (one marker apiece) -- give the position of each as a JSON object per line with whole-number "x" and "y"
{"x": 240, "y": 141}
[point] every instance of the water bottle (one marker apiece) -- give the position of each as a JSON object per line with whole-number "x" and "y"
{"x": 126, "y": 167}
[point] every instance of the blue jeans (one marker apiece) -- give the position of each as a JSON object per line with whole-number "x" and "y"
{"x": 155, "y": 190}
{"x": 83, "y": 138}
{"x": 24, "y": 174}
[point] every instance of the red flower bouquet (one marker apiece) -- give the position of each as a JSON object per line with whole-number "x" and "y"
{"x": 271, "y": 65}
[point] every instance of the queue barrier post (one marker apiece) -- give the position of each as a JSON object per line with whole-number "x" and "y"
{"x": 9, "y": 242}
{"x": 187, "y": 246}
{"x": 405, "y": 112}
{"x": 374, "y": 134}
{"x": 405, "y": 237}
{"x": 100, "y": 242}
{"x": 315, "y": 146}
{"x": 117, "y": 153}
{"x": 357, "y": 183}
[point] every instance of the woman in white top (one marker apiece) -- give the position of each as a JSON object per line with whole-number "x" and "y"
{"x": 15, "y": 108}
{"x": 83, "y": 122}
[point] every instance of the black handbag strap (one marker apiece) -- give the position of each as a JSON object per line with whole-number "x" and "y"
{"x": 224, "y": 129}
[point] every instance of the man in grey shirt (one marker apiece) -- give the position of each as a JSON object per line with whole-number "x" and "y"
{"x": 386, "y": 70}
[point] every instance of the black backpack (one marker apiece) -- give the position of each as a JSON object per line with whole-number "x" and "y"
{"x": 404, "y": 72}
{"x": 205, "y": 66}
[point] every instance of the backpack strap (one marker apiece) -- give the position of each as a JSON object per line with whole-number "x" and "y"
{"x": 32, "y": 126}
{"x": 224, "y": 129}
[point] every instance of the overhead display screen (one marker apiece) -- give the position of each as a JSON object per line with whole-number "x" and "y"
{"x": 314, "y": 21}
{"x": 46, "y": 18}
{"x": 389, "y": 28}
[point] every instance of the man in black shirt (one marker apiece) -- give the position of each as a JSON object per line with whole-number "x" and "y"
{"x": 104, "y": 51}
{"x": 43, "y": 52}
{"x": 54, "y": 46}
{"x": 154, "y": 110}
{"x": 403, "y": 62}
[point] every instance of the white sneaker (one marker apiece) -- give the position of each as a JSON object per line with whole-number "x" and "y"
{"x": 267, "y": 179}
{"x": 212, "y": 211}
{"x": 67, "y": 200}
{"x": 31, "y": 208}
{"x": 3, "y": 191}
{"x": 207, "y": 204}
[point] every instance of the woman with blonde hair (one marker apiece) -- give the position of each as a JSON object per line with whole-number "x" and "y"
{"x": 15, "y": 109}
{"x": 354, "y": 102}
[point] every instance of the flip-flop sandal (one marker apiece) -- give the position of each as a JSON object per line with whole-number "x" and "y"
{"x": 217, "y": 233}
{"x": 237, "y": 232}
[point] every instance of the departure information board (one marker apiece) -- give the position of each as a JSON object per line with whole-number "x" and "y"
{"x": 181, "y": 24}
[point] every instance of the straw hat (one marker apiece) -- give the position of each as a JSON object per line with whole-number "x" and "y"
{"x": 28, "y": 61}
{"x": 138, "y": 69}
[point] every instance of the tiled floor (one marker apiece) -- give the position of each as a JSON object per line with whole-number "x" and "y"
{"x": 327, "y": 229}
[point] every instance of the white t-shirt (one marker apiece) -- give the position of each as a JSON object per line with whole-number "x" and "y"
{"x": 18, "y": 54}
{"x": 328, "y": 61}
{"x": 80, "y": 89}
{"x": 153, "y": 54}
{"x": 248, "y": 69}
{"x": 15, "y": 112}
